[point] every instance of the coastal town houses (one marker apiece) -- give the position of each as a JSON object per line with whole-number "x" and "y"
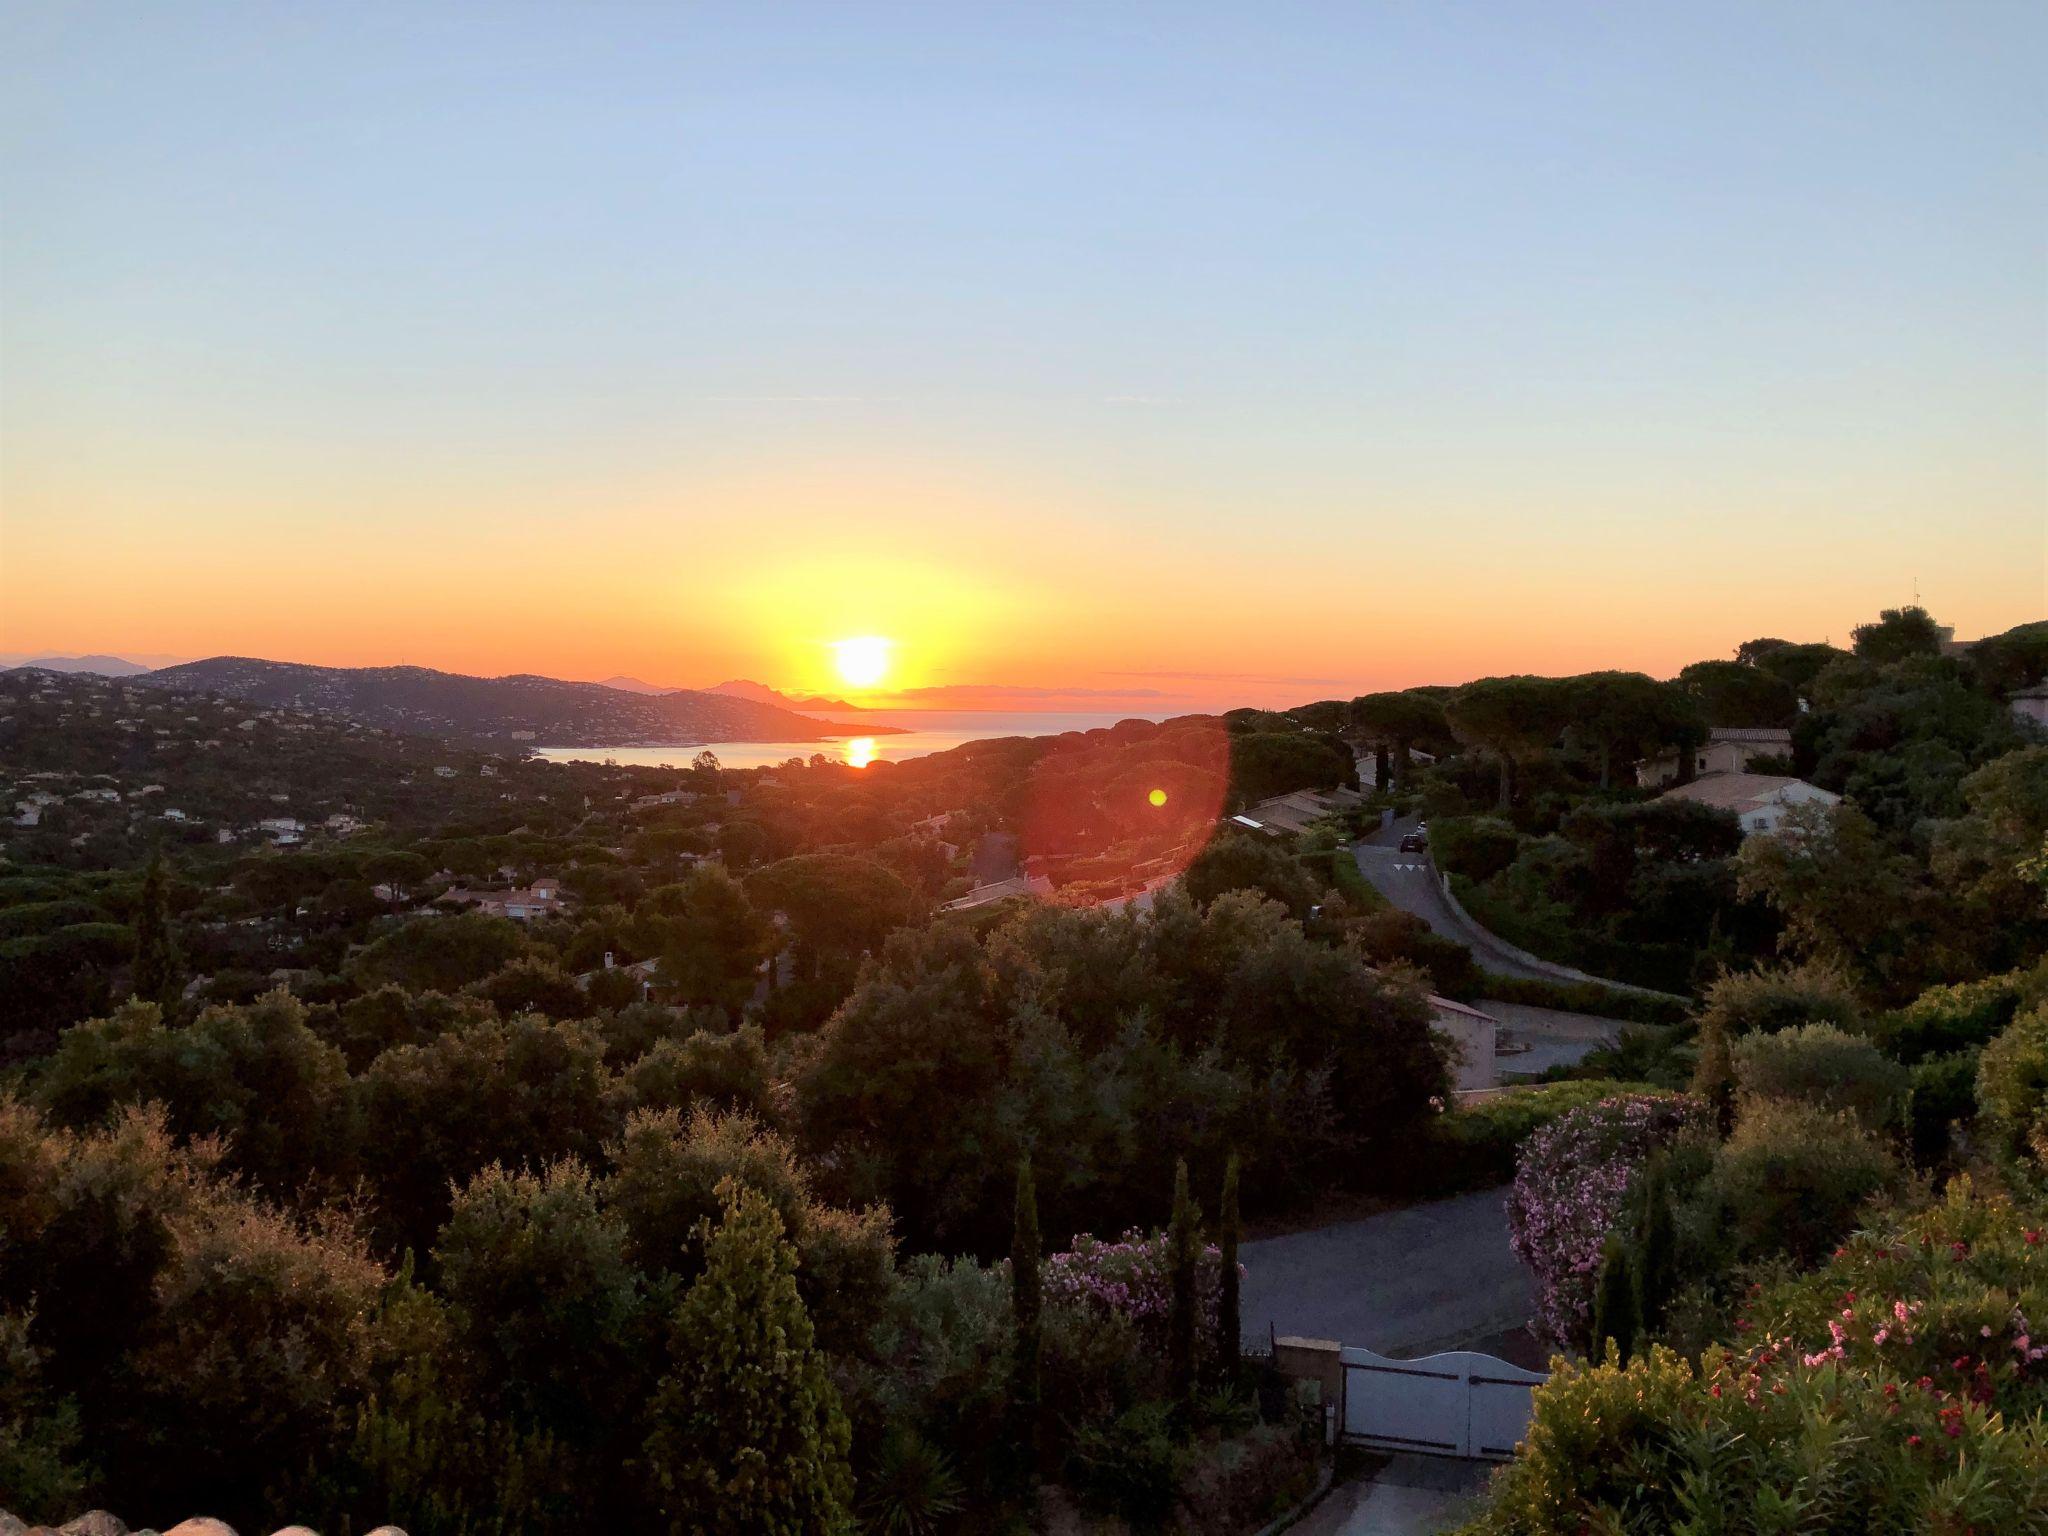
{"x": 1728, "y": 749}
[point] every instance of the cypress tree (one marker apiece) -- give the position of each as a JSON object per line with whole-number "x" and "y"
{"x": 1183, "y": 1247}
{"x": 746, "y": 1434}
{"x": 1027, "y": 1304}
{"x": 1713, "y": 1074}
{"x": 1614, "y": 1302}
{"x": 1229, "y": 1323}
{"x": 1655, "y": 1270}
{"x": 156, "y": 952}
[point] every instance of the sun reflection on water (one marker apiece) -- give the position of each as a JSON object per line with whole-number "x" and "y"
{"x": 859, "y": 750}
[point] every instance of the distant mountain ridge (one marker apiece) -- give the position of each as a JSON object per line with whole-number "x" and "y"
{"x": 761, "y": 693}
{"x": 521, "y": 708}
{"x": 104, "y": 666}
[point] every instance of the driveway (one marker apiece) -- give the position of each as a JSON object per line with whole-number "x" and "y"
{"x": 1409, "y": 881}
{"x": 1410, "y": 1496}
{"x": 1410, "y": 1282}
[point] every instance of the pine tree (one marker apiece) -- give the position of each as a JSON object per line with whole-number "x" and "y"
{"x": 1027, "y": 1304}
{"x": 746, "y": 1434}
{"x": 156, "y": 952}
{"x": 1229, "y": 1320}
{"x": 1184, "y": 1249}
{"x": 1614, "y": 1302}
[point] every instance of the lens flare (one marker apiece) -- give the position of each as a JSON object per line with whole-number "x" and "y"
{"x": 862, "y": 661}
{"x": 1157, "y": 797}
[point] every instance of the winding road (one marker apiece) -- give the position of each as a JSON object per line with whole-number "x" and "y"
{"x": 1409, "y": 881}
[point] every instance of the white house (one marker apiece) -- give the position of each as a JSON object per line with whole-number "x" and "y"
{"x": 1728, "y": 749}
{"x": 1475, "y": 1035}
{"x": 2030, "y": 705}
{"x": 1760, "y": 801}
{"x": 282, "y": 830}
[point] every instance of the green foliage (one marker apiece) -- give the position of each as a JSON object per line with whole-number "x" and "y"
{"x": 1897, "y": 634}
{"x": 442, "y": 953}
{"x": 1184, "y": 1253}
{"x": 519, "y": 1092}
{"x": 723, "y": 1071}
{"x": 1731, "y": 694}
{"x": 1741, "y": 1003}
{"x": 1946, "y": 1019}
{"x": 911, "y": 1489}
{"x": 1788, "y": 1183}
{"x": 158, "y": 973}
{"x": 1268, "y": 763}
{"x": 1478, "y": 847}
{"x": 255, "y": 1074}
{"x": 1027, "y": 1307}
{"x": 1251, "y": 861}
{"x": 1892, "y": 1389}
{"x": 2012, "y": 1086}
{"x": 541, "y": 1298}
{"x": 1818, "y": 1064}
{"x": 666, "y": 1172}
{"x": 1229, "y": 1312}
{"x": 42, "y": 1463}
{"x": 1129, "y": 1467}
{"x": 530, "y": 985}
{"x": 745, "y": 1434}
{"x": 1944, "y": 1094}
{"x": 1615, "y": 1322}
{"x": 714, "y": 940}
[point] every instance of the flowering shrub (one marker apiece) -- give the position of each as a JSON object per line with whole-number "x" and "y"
{"x": 1571, "y": 1188}
{"x": 1133, "y": 1278}
{"x": 1900, "y": 1387}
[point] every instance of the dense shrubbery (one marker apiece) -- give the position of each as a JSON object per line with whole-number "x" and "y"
{"x": 1819, "y": 1065}
{"x": 2012, "y": 1085}
{"x": 1897, "y": 1387}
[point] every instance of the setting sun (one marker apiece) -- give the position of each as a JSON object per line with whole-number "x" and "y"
{"x": 862, "y": 662}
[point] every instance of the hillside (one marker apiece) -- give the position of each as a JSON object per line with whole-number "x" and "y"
{"x": 523, "y": 708}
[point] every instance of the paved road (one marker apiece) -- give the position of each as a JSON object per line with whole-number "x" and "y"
{"x": 1430, "y": 1277}
{"x": 1410, "y": 1496}
{"x": 1409, "y": 881}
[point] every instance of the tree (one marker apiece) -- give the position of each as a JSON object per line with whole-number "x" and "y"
{"x": 837, "y": 904}
{"x": 157, "y": 971}
{"x": 1184, "y": 1252}
{"x": 529, "y": 985}
{"x": 441, "y": 953}
{"x": 746, "y": 1436}
{"x": 1653, "y": 1266}
{"x": 1844, "y": 895}
{"x": 1713, "y": 1074}
{"x": 1511, "y": 717}
{"x": 715, "y": 940}
{"x": 1731, "y": 694}
{"x": 1751, "y": 652}
{"x": 1229, "y": 1316}
{"x": 1614, "y": 1300}
{"x": 1899, "y": 634}
{"x": 1400, "y": 720}
{"x": 1027, "y": 1302}
{"x": 1614, "y": 712}
{"x": 1797, "y": 666}
{"x": 1268, "y": 763}
{"x": 1251, "y": 861}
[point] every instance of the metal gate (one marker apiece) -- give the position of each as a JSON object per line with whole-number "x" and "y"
{"x": 1456, "y": 1404}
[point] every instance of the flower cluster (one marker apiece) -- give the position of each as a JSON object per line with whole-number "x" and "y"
{"x": 1571, "y": 1188}
{"x": 1133, "y": 1278}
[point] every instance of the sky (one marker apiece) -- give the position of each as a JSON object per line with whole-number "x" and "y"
{"x": 1141, "y": 354}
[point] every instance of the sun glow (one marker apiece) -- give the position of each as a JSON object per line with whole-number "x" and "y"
{"x": 862, "y": 662}
{"x": 859, "y": 751}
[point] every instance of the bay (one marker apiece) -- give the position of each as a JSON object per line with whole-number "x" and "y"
{"x": 923, "y": 731}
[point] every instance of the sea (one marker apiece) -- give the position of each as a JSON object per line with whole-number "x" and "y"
{"x": 922, "y": 732}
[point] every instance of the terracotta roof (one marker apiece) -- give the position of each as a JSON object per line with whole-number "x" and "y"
{"x": 1778, "y": 734}
{"x": 1740, "y": 791}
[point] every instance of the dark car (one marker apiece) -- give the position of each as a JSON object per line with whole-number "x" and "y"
{"x": 1414, "y": 842}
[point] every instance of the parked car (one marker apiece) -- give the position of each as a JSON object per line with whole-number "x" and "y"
{"x": 1414, "y": 842}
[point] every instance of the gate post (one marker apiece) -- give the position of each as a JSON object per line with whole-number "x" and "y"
{"x": 1316, "y": 1368}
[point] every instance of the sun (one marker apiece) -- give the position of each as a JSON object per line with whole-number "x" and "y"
{"x": 862, "y": 662}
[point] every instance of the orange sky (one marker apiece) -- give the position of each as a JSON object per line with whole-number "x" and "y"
{"x": 1156, "y": 366}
